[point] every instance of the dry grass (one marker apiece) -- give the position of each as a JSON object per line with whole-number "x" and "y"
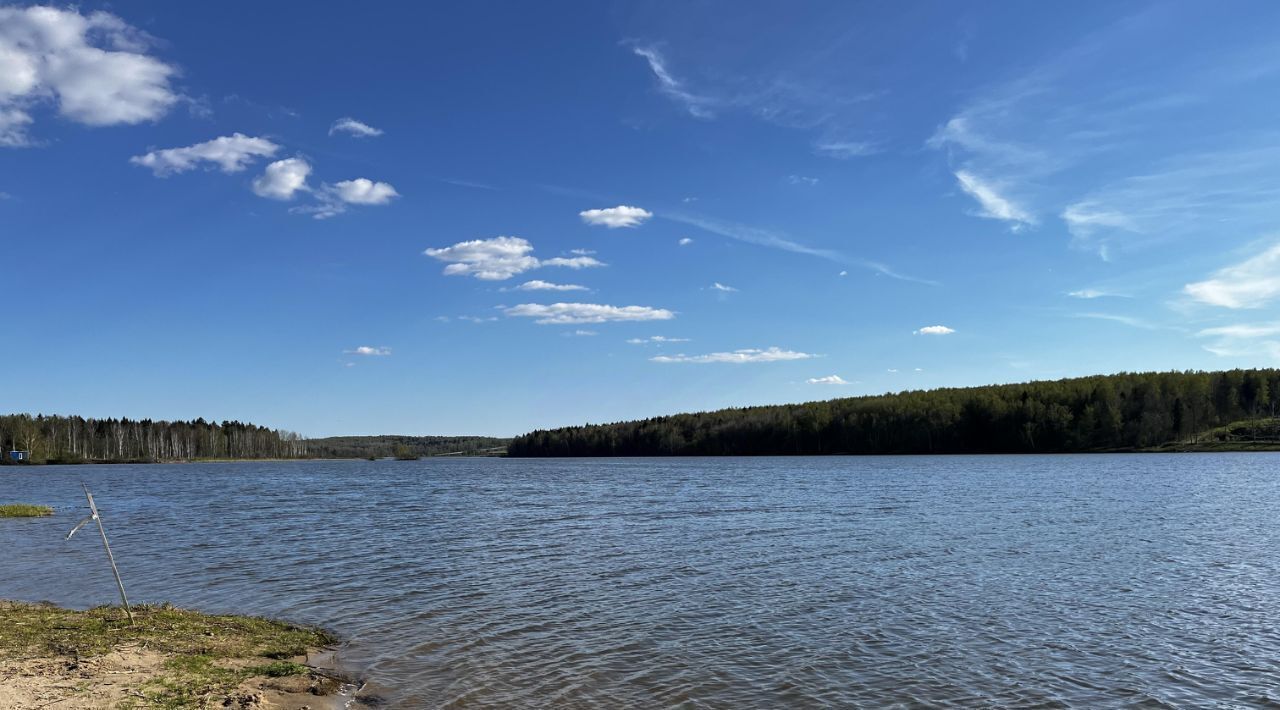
{"x": 207, "y": 657}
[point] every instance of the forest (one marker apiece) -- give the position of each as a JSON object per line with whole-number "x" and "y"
{"x": 60, "y": 439}
{"x": 1121, "y": 412}
{"x": 351, "y": 447}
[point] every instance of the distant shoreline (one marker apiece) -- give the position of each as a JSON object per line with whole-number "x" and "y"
{"x": 1208, "y": 448}
{"x": 241, "y": 460}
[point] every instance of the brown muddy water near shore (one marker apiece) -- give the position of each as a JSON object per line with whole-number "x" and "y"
{"x": 1096, "y": 580}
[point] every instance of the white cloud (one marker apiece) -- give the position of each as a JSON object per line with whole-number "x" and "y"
{"x": 1242, "y": 331}
{"x": 828, "y": 380}
{"x": 334, "y": 199}
{"x": 478, "y": 319}
{"x": 231, "y": 154}
{"x": 1088, "y": 293}
{"x": 283, "y": 179}
{"x": 495, "y": 259}
{"x": 778, "y": 240}
{"x": 1186, "y": 197}
{"x": 1252, "y": 283}
{"x": 614, "y": 217}
{"x": 738, "y": 356}
{"x": 1244, "y": 340}
{"x": 577, "y": 313}
{"x": 582, "y": 252}
{"x": 844, "y": 150}
{"x": 363, "y": 191}
{"x": 656, "y": 339}
{"x": 1115, "y": 318}
{"x": 697, "y": 106}
{"x": 1085, "y": 218}
{"x": 684, "y": 242}
{"x": 802, "y": 180}
{"x": 994, "y": 205}
{"x": 717, "y": 286}
{"x": 581, "y": 333}
{"x": 538, "y": 285}
{"x": 94, "y": 67}
{"x": 843, "y": 273}
{"x": 369, "y": 350}
{"x": 575, "y": 263}
{"x": 934, "y": 330}
{"x": 1183, "y": 125}
{"x": 501, "y": 258}
{"x": 356, "y": 128}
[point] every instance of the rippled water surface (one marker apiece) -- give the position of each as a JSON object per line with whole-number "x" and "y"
{"x": 1084, "y": 581}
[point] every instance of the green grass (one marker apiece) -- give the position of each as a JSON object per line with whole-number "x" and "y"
{"x": 23, "y": 510}
{"x": 208, "y": 655}
{"x": 1261, "y": 434}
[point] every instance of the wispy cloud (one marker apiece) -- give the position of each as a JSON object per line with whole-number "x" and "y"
{"x": 684, "y": 242}
{"x": 1092, "y": 293}
{"x": 580, "y": 313}
{"x": 778, "y": 240}
{"x": 845, "y": 150}
{"x": 1072, "y": 114}
{"x": 717, "y": 286}
{"x": 697, "y": 106}
{"x": 464, "y": 183}
{"x": 1130, "y": 321}
{"x": 1186, "y": 196}
{"x": 788, "y": 93}
{"x": 659, "y": 339}
{"x": 369, "y": 350}
{"x": 746, "y": 355}
{"x": 499, "y": 258}
{"x": 802, "y": 180}
{"x": 1252, "y": 283}
{"x": 615, "y": 217}
{"x": 994, "y": 205}
{"x": 351, "y": 126}
{"x": 828, "y": 380}
{"x": 1244, "y": 340}
{"x": 934, "y": 330}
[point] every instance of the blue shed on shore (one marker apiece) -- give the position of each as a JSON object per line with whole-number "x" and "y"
{"x": 19, "y": 455}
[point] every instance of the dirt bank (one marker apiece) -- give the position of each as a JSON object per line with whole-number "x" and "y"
{"x": 168, "y": 658}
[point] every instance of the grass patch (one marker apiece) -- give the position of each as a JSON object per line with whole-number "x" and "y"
{"x": 23, "y": 510}
{"x": 208, "y": 656}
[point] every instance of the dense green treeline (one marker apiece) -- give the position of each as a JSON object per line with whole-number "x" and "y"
{"x": 57, "y": 439}
{"x": 350, "y": 447}
{"x": 1103, "y": 413}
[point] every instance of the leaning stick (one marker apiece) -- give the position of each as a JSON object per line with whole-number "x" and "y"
{"x": 93, "y": 508}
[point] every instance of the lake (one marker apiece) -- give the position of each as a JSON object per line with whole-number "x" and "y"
{"x": 1045, "y": 581}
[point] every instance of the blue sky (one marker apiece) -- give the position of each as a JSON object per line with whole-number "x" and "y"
{"x": 491, "y": 217}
